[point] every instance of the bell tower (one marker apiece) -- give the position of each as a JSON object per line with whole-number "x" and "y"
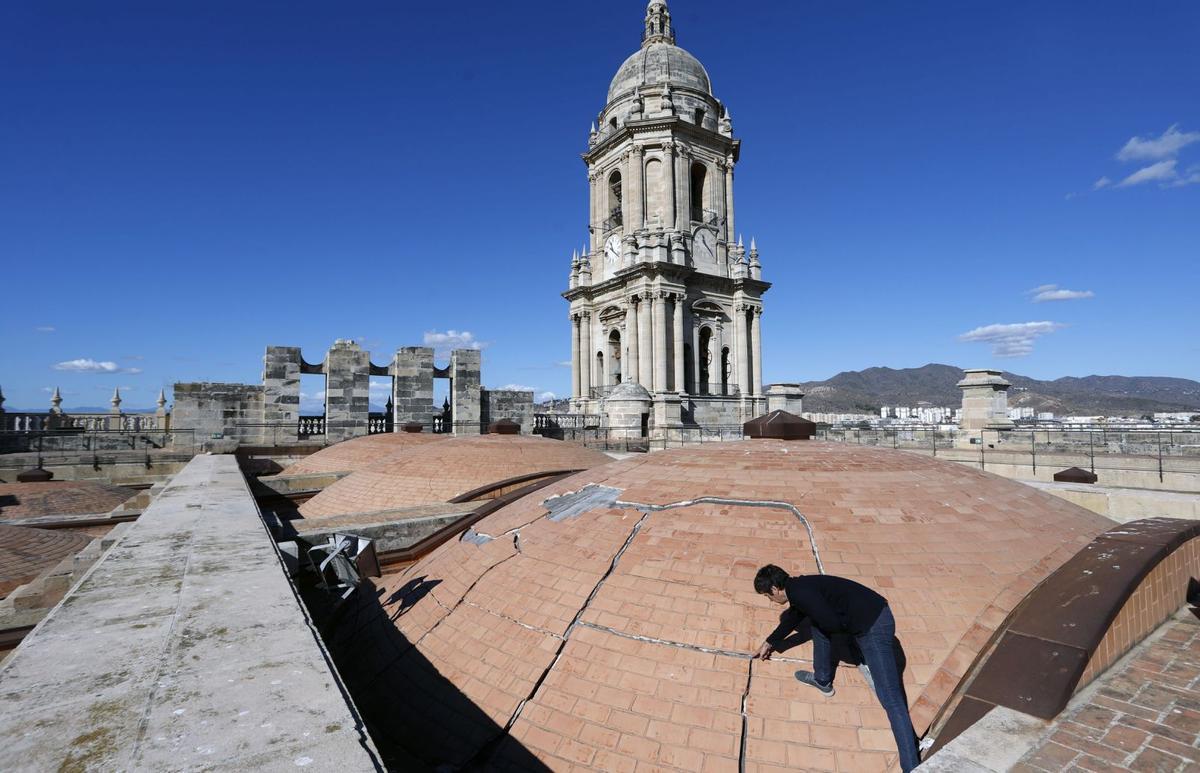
{"x": 665, "y": 294}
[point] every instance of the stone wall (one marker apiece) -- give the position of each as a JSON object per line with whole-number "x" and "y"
{"x": 713, "y": 411}
{"x": 496, "y": 404}
{"x": 219, "y": 414}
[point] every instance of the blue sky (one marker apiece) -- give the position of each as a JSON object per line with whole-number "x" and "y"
{"x": 183, "y": 183}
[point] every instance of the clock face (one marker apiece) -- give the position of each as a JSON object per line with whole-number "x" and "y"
{"x": 704, "y": 246}
{"x": 612, "y": 250}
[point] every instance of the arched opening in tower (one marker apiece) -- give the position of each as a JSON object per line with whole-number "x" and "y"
{"x": 705, "y": 360}
{"x": 615, "y": 198}
{"x": 614, "y": 358}
{"x": 699, "y": 174}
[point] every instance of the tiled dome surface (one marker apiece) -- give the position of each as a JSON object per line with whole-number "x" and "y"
{"x": 26, "y": 553}
{"x": 655, "y": 668}
{"x": 68, "y": 497}
{"x": 353, "y": 455}
{"x": 441, "y": 471}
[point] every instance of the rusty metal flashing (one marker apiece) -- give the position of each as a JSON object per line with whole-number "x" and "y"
{"x": 1038, "y": 655}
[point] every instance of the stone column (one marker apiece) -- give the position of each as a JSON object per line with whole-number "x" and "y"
{"x": 585, "y": 346}
{"x": 717, "y": 203}
{"x": 635, "y": 193}
{"x": 575, "y": 355}
{"x": 412, "y": 387}
{"x": 683, "y": 197}
{"x": 756, "y": 347}
{"x": 466, "y": 401}
{"x": 347, "y": 391}
{"x": 281, "y": 392}
{"x": 677, "y": 310}
{"x": 660, "y": 342}
{"x": 645, "y": 346}
{"x": 594, "y": 206}
{"x": 984, "y": 400}
{"x": 741, "y": 344}
{"x": 697, "y": 355}
{"x": 669, "y": 214}
{"x": 729, "y": 196}
{"x": 630, "y": 366}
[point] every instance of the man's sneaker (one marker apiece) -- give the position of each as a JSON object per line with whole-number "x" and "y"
{"x": 807, "y": 678}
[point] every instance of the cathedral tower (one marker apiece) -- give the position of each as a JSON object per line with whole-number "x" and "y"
{"x": 666, "y": 294}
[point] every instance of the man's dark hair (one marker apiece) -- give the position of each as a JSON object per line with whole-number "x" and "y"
{"x": 769, "y": 578}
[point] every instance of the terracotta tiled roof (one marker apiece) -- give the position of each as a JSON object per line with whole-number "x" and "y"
{"x": 68, "y": 497}
{"x": 25, "y": 553}
{"x": 355, "y": 454}
{"x": 616, "y": 637}
{"x": 441, "y": 471}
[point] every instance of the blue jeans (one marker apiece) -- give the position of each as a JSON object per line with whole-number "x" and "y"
{"x": 877, "y": 646}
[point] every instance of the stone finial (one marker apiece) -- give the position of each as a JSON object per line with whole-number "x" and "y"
{"x": 116, "y": 400}
{"x": 593, "y": 135}
{"x": 56, "y": 401}
{"x": 667, "y": 104}
{"x": 658, "y": 24}
{"x": 637, "y": 107}
{"x": 755, "y": 266}
{"x": 726, "y": 124}
{"x": 162, "y": 399}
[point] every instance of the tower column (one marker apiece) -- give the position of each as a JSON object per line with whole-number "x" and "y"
{"x": 729, "y": 196}
{"x": 756, "y": 347}
{"x": 715, "y": 375}
{"x": 645, "y": 347}
{"x": 677, "y": 306}
{"x": 740, "y": 342}
{"x": 635, "y": 194}
{"x": 683, "y": 187}
{"x": 630, "y": 366}
{"x": 585, "y": 345}
{"x": 669, "y": 214}
{"x": 697, "y": 355}
{"x": 660, "y": 342}
{"x": 575, "y": 355}
{"x": 593, "y": 211}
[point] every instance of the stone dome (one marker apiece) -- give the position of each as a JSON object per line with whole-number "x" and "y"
{"x": 19, "y": 501}
{"x": 357, "y": 453}
{"x": 607, "y": 621}
{"x": 629, "y": 390}
{"x": 657, "y": 63}
{"x": 25, "y": 553}
{"x": 439, "y": 472}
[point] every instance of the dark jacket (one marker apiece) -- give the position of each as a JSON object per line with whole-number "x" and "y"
{"x": 833, "y": 604}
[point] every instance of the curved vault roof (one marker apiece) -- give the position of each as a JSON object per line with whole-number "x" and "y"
{"x": 68, "y": 497}
{"x": 357, "y": 453}
{"x": 581, "y": 631}
{"x": 25, "y": 553}
{"x": 438, "y": 472}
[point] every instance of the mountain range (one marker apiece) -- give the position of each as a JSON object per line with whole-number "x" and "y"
{"x": 865, "y": 391}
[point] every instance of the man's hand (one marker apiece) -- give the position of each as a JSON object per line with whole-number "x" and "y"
{"x": 764, "y": 652}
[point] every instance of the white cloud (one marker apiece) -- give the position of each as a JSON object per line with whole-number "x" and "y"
{"x": 517, "y": 388}
{"x": 546, "y": 397}
{"x": 88, "y": 365}
{"x": 380, "y": 387}
{"x": 1190, "y": 177}
{"x": 1167, "y": 145}
{"x": 563, "y": 363}
{"x": 1163, "y": 171}
{"x": 45, "y": 329}
{"x": 443, "y": 343}
{"x": 1103, "y": 182}
{"x": 1055, "y": 293}
{"x": 1015, "y": 340}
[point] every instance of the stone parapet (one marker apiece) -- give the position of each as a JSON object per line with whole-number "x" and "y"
{"x": 183, "y": 648}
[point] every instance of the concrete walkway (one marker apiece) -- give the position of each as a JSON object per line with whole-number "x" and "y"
{"x": 184, "y": 648}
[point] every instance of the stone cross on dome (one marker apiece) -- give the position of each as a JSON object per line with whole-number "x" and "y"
{"x": 658, "y": 24}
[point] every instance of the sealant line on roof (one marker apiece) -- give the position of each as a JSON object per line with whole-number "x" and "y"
{"x": 737, "y": 654}
{"x": 745, "y": 718}
{"x": 738, "y": 503}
